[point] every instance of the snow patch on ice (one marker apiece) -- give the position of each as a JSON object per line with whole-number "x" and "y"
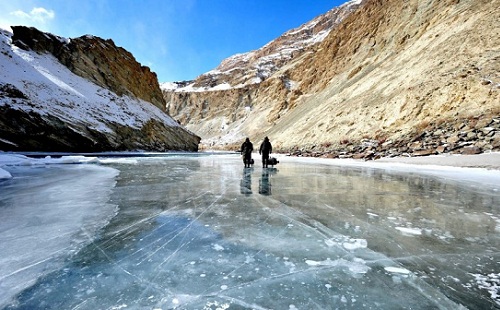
{"x": 118, "y": 161}
{"x": 218, "y": 247}
{"x": 491, "y": 283}
{"x": 398, "y": 270}
{"x": 356, "y": 267}
{"x": 219, "y": 306}
{"x": 5, "y": 174}
{"x": 354, "y": 244}
{"x": 7, "y": 160}
{"x": 347, "y": 243}
{"x": 21, "y": 160}
{"x": 410, "y": 231}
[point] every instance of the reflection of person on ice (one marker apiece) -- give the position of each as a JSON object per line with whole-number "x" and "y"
{"x": 265, "y": 149}
{"x": 246, "y": 151}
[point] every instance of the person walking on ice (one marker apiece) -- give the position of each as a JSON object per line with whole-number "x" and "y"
{"x": 246, "y": 151}
{"x": 265, "y": 149}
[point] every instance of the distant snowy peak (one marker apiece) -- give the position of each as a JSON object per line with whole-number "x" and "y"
{"x": 253, "y": 67}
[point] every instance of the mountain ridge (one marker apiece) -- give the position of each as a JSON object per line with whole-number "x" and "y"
{"x": 253, "y": 67}
{"x": 67, "y": 95}
{"x": 388, "y": 72}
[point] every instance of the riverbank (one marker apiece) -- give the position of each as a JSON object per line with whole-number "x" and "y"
{"x": 490, "y": 161}
{"x": 481, "y": 170}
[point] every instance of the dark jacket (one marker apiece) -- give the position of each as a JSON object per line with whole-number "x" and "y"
{"x": 246, "y": 148}
{"x": 266, "y": 147}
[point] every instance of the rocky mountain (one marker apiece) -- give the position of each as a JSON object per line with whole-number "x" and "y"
{"x": 390, "y": 77}
{"x": 80, "y": 95}
{"x": 256, "y": 66}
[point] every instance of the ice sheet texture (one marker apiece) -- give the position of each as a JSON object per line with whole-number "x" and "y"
{"x": 205, "y": 233}
{"x": 48, "y": 213}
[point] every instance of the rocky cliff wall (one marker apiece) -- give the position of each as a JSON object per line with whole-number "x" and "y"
{"x": 80, "y": 95}
{"x": 98, "y": 60}
{"x": 394, "y": 68}
{"x": 389, "y": 71}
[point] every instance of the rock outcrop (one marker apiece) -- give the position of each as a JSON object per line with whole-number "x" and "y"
{"x": 466, "y": 136}
{"x": 99, "y": 61}
{"x": 80, "y": 95}
{"x": 389, "y": 71}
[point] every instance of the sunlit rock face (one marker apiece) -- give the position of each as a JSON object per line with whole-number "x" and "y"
{"x": 387, "y": 71}
{"x": 217, "y": 104}
{"x": 98, "y": 60}
{"x": 83, "y": 94}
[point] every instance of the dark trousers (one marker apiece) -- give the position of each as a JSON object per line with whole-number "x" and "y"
{"x": 247, "y": 157}
{"x": 265, "y": 158}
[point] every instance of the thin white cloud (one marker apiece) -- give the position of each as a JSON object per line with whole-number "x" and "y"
{"x": 20, "y": 14}
{"x": 37, "y": 15}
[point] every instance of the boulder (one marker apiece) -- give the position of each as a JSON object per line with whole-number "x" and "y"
{"x": 471, "y": 150}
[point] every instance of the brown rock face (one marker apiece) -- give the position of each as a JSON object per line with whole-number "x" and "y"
{"x": 38, "y": 114}
{"x": 97, "y": 60}
{"x": 386, "y": 72}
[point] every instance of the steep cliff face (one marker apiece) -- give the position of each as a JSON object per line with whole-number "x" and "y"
{"x": 99, "y": 61}
{"x": 394, "y": 66}
{"x": 221, "y": 104}
{"x": 80, "y": 95}
{"x": 389, "y": 71}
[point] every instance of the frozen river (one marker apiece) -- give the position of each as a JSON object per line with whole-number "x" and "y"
{"x": 202, "y": 232}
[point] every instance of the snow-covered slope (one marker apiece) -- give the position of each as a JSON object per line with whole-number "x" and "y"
{"x": 39, "y": 84}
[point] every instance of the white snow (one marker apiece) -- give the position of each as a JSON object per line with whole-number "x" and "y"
{"x": 353, "y": 2}
{"x": 399, "y": 270}
{"x": 354, "y": 244}
{"x": 7, "y": 159}
{"x": 347, "y": 243}
{"x": 169, "y": 85}
{"x": 54, "y": 90}
{"x": 410, "y": 231}
{"x": 356, "y": 267}
{"x": 4, "y": 174}
{"x": 218, "y": 247}
{"x": 223, "y": 86}
{"x": 481, "y": 170}
{"x": 491, "y": 283}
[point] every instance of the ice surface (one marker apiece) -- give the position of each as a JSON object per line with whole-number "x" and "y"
{"x": 47, "y": 214}
{"x": 4, "y": 174}
{"x": 202, "y": 232}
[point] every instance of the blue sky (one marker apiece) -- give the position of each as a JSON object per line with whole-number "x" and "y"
{"x": 177, "y": 39}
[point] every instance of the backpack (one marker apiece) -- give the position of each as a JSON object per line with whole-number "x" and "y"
{"x": 272, "y": 161}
